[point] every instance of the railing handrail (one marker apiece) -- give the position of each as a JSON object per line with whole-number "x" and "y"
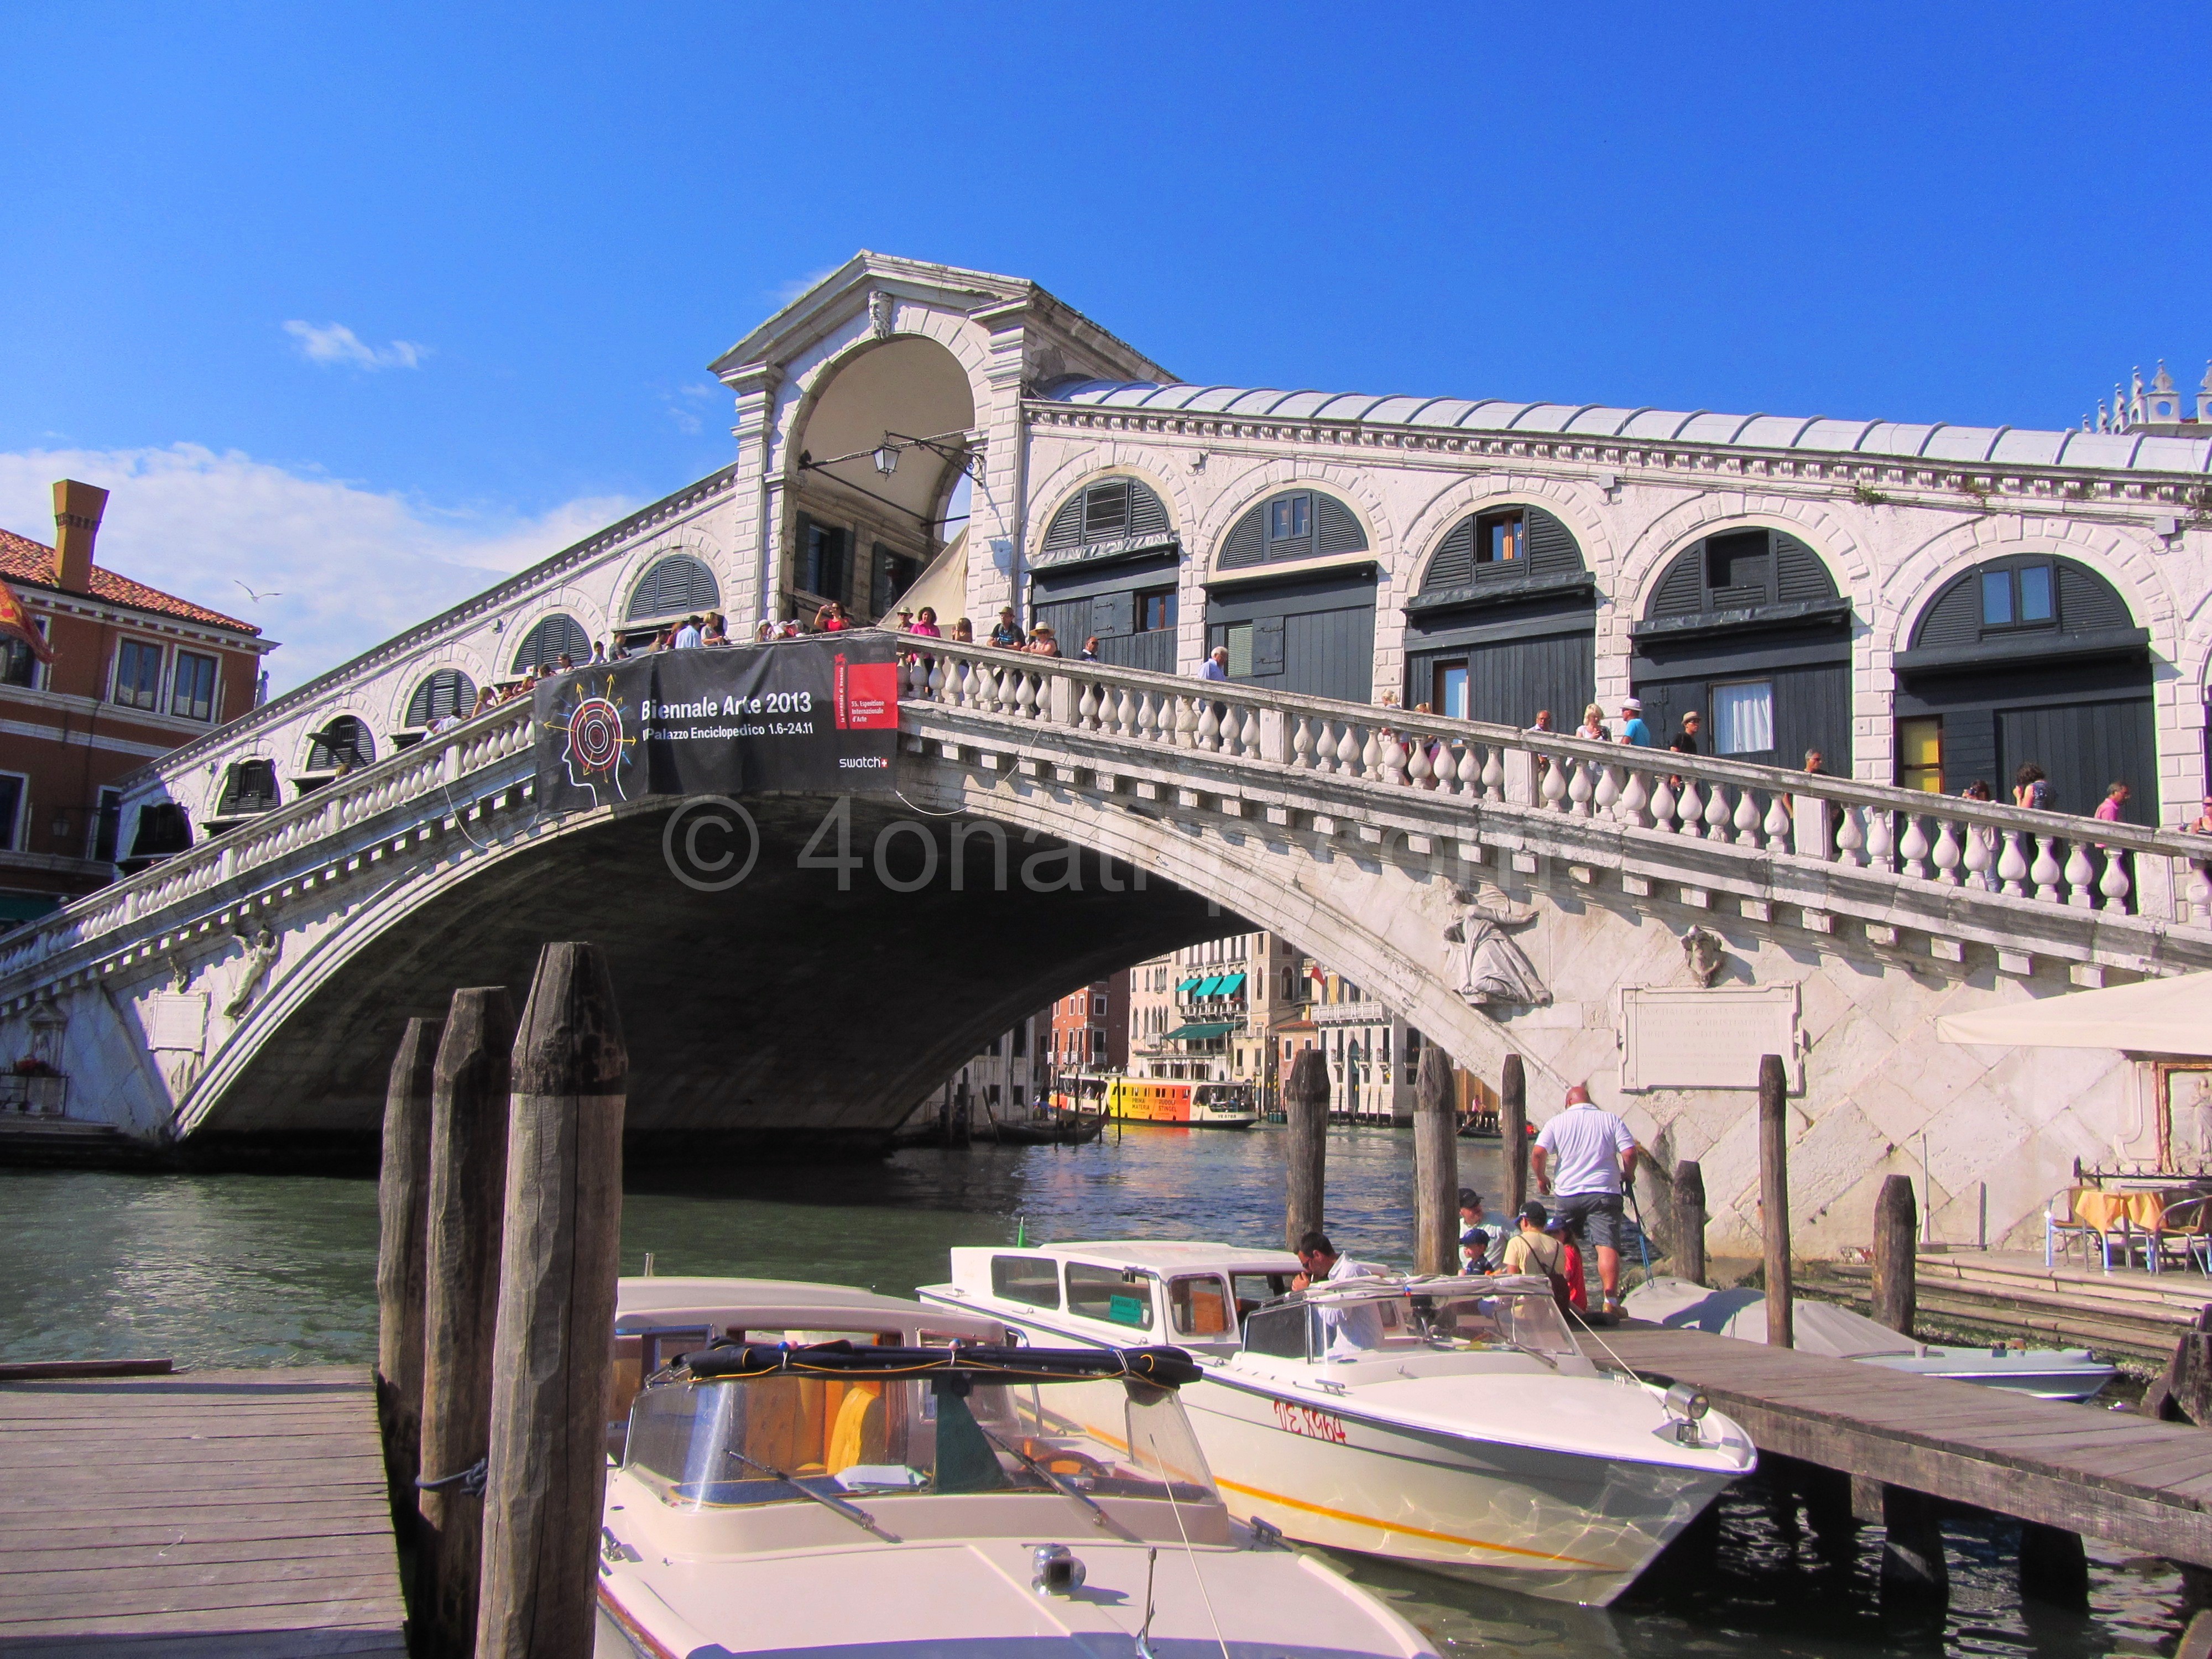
{"x": 1401, "y": 722}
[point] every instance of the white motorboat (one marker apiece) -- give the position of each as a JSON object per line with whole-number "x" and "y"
{"x": 825, "y": 1469}
{"x": 1822, "y": 1328}
{"x": 1454, "y": 1425}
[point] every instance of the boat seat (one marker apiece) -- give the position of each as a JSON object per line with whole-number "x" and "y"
{"x": 857, "y": 1436}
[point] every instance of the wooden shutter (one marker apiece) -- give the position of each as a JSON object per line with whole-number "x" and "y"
{"x": 2087, "y": 601}
{"x": 445, "y": 692}
{"x": 247, "y": 786}
{"x": 543, "y": 645}
{"x": 1954, "y": 617}
{"x": 1552, "y": 549}
{"x": 1682, "y": 591}
{"x": 1106, "y": 510}
{"x": 1799, "y": 576}
{"x": 1066, "y": 527}
{"x": 1454, "y": 565}
{"x": 1336, "y": 531}
{"x": 1148, "y": 515}
{"x": 1113, "y": 614}
{"x": 1246, "y": 542}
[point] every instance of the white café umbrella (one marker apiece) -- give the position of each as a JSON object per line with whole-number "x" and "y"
{"x": 2157, "y": 1017}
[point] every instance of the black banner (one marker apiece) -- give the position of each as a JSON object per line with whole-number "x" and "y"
{"x": 818, "y": 715}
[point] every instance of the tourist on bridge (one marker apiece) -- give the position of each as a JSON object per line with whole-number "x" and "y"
{"x": 2030, "y": 787}
{"x": 830, "y": 619}
{"x": 1592, "y": 726}
{"x": 1216, "y": 667}
{"x": 1089, "y": 649}
{"x": 1686, "y": 742}
{"x": 1041, "y": 643}
{"x": 963, "y": 632}
{"x": 926, "y": 624}
{"x": 1007, "y": 635}
{"x": 1582, "y": 1158}
{"x": 715, "y": 632}
{"x": 1632, "y": 728}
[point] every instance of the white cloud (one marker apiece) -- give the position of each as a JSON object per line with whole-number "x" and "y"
{"x": 332, "y": 344}
{"x": 786, "y": 292}
{"x": 344, "y": 567}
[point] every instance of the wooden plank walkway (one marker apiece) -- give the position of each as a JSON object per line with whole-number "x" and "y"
{"x": 2126, "y": 1311}
{"x": 2108, "y": 1475}
{"x": 210, "y": 1513}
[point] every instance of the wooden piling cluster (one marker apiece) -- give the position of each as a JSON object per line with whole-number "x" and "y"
{"x": 500, "y": 1209}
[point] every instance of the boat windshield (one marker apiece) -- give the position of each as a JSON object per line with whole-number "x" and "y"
{"x": 728, "y": 1441}
{"x": 1356, "y": 1319}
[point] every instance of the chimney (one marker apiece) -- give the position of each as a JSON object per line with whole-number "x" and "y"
{"x": 77, "y": 508}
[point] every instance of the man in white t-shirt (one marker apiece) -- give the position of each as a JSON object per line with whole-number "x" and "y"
{"x": 1348, "y": 1328}
{"x": 1583, "y": 1157}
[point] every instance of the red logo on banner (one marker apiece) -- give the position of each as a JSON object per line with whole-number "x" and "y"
{"x": 867, "y": 696}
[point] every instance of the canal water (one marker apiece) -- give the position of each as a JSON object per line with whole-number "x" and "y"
{"x": 271, "y": 1270}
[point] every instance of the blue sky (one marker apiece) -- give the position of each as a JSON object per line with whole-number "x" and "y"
{"x": 509, "y": 240}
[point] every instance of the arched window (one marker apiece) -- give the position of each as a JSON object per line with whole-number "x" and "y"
{"x": 248, "y": 786}
{"x": 676, "y": 585}
{"x": 544, "y": 645}
{"x": 1110, "y": 510}
{"x": 2021, "y": 594}
{"x": 448, "y": 691}
{"x": 1740, "y": 570}
{"x": 1501, "y": 544}
{"x": 1298, "y": 523}
{"x": 342, "y": 740}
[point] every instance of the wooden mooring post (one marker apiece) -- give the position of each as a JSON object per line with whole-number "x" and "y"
{"x": 1436, "y": 1165}
{"x": 1513, "y": 1136}
{"x": 402, "y": 1210}
{"x": 1896, "y": 1222}
{"x": 1689, "y": 1222}
{"x": 467, "y": 1195}
{"x": 1305, "y": 1112}
{"x": 553, "y": 1355}
{"x": 1774, "y": 1197}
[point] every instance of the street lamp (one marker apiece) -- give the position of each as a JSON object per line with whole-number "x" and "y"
{"x": 885, "y": 457}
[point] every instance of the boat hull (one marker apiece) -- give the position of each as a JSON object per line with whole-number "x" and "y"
{"x": 1554, "y": 1524}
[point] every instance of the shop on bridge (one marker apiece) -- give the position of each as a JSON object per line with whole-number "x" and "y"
{"x": 1292, "y": 597}
{"x": 1746, "y": 630}
{"x": 2029, "y": 658}
{"x": 1505, "y": 623}
{"x": 1108, "y": 569}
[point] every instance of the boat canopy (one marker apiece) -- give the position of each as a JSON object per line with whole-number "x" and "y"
{"x": 1167, "y": 1368}
{"x": 1376, "y": 1316}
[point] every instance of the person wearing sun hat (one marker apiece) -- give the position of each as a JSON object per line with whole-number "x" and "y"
{"x": 1632, "y": 728}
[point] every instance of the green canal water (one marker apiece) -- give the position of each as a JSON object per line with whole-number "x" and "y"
{"x": 270, "y": 1270}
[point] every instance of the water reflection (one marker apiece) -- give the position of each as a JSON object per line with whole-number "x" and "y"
{"x": 258, "y": 1270}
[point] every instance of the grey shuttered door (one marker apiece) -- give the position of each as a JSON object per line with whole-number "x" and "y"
{"x": 1509, "y": 681}
{"x": 2084, "y": 747}
{"x": 1330, "y": 653}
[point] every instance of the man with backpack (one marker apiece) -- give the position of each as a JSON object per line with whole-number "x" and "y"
{"x": 1583, "y": 1157}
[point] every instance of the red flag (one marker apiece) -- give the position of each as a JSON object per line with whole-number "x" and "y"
{"x": 15, "y": 623}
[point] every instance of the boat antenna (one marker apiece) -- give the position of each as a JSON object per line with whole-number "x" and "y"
{"x": 1144, "y": 1630}
{"x": 1167, "y": 1484}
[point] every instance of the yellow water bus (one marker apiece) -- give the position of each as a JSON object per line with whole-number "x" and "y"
{"x": 1159, "y": 1100}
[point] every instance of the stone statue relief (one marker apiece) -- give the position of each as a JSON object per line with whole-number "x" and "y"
{"x": 261, "y": 949}
{"x": 1704, "y": 953}
{"x": 1486, "y": 965}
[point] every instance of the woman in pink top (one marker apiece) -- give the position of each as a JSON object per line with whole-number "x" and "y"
{"x": 926, "y": 623}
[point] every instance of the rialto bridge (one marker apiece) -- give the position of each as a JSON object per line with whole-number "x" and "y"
{"x": 806, "y": 968}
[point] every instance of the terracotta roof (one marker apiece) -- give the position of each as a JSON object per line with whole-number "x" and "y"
{"x": 24, "y": 559}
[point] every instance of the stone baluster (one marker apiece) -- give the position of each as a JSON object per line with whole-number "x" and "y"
{"x": 1420, "y": 771}
{"x": 1032, "y": 695}
{"x": 1777, "y": 825}
{"x": 1209, "y": 729}
{"x": 1186, "y": 721}
{"x": 2044, "y": 871}
{"x": 1247, "y": 734}
{"x": 1663, "y": 803}
{"x": 1980, "y": 855}
{"x": 1551, "y": 789}
{"x": 1301, "y": 745}
{"x": 1494, "y": 775}
{"x": 1324, "y": 747}
{"x": 1125, "y": 715}
{"x": 1746, "y": 818}
{"x": 1689, "y": 808}
{"x": 1580, "y": 789}
{"x": 1606, "y": 797}
{"x": 1880, "y": 839}
{"x": 1086, "y": 706}
{"x": 1718, "y": 814}
{"x": 1914, "y": 847}
{"x": 1948, "y": 852}
{"x": 1468, "y": 772}
{"x": 2114, "y": 886}
{"x": 1636, "y": 800}
{"x": 1370, "y": 754}
{"x": 1148, "y": 728}
{"x": 1347, "y": 751}
{"x": 2013, "y": 866}
{"x": 1851, "y": 839}
{"x": 2080, "y": 877}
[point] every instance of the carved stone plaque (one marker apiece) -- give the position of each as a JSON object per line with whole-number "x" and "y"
{"x": 1690, "y": 1038}
{"x": 177, "y": 1022}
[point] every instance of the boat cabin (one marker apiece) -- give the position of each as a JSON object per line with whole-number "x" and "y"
{"x": 1194, "y": 1296}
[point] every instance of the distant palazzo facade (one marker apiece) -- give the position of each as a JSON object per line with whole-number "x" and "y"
{"x": 1921, "y": 605}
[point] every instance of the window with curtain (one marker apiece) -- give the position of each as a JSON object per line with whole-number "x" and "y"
{"x": 138, "y": 675}
{"x": 193, "y": 697}
{"x": 1743, "y": 718}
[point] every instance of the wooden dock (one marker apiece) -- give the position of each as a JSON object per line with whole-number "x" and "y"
{"x": 2082, "y": 1468}
{"x": 2126, "y": 1312}
{"x": 239, "y": 1514}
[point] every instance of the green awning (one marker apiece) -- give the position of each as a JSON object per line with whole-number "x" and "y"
{"x": 1205, "y": 988}
{"x": 1182, "y": 988}
{"x": 1231, "y": 985}
{"x": 1202, "y": 1028}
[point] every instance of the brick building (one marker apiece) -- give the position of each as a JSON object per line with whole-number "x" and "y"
{"x": 1091, "y": 1027}
{"x": 133, "y": 673}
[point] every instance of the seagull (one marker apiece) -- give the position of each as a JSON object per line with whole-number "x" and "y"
{"x": 257, "y": 598}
